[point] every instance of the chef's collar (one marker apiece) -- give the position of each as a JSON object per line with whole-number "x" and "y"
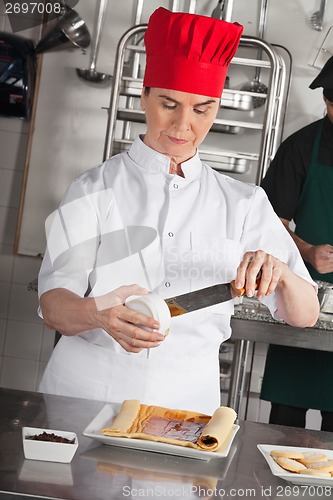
{"x": 155, "y": 162}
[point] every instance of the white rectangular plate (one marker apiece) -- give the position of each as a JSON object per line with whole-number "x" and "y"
{"x": 109, "y": 412}
{"x": 294, "y": 477}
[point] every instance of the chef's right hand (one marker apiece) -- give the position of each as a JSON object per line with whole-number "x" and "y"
{"x": 321, "y": 258}
{"x": 122, "y": 323}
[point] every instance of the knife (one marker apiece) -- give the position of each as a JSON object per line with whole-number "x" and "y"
{"x": 205, "y": 297}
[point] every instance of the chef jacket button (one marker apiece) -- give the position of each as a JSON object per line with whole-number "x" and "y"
{"x": 175, "y": 186}
{"x": 167, "y": 284}
{"x": 171, "y": 234}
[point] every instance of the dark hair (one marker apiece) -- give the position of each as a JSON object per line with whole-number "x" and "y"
{"x": 328, "y": 93}
{"x": 147, "y": 90}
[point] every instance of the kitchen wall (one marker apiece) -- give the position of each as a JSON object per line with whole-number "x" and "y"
{"x": 70, "y": 125}
{"x": 25, "y": 344}
{"x": 68, "y": 138}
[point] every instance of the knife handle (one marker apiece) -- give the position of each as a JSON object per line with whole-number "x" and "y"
{"x": 241, "y": 291}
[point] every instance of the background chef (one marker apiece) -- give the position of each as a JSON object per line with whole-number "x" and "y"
{"x": 303, "y": 171}
{"x": 158, "y": 217}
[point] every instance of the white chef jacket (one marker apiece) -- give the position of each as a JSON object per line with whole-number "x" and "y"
{"x": 130, "y": 221}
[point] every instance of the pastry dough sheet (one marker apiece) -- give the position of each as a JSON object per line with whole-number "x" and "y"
{"x": 178, "y": 427}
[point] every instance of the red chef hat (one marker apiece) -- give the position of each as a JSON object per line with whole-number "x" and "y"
{"x": 188, "y": 52}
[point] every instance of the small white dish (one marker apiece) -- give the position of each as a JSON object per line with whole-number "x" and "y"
{"x": 154, "y": 306}
{"x": 293, "y": 477}
{"x": 48, "y": 451}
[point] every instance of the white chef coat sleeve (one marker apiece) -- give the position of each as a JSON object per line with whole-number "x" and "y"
{"x": 263, "y": 230}
{"x": 73, "y": 234}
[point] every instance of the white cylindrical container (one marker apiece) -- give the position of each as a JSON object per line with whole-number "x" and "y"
{"x": 154, "y": 306}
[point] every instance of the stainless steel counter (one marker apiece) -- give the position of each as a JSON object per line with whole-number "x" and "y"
{"x": 252, "y": 322}
{"x": 100, "y": 472}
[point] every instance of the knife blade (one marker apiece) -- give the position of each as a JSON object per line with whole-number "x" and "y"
{"x": 205, "y": 297}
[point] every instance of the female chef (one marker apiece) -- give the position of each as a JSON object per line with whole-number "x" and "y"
{"x": 158, "y": 217}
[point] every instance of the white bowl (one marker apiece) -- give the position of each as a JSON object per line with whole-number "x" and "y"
{"x": 47, "y": 450}
{"x": 154, "y": 306}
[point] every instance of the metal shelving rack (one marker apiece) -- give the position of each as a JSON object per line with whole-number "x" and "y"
{"x": 125, "y": 115}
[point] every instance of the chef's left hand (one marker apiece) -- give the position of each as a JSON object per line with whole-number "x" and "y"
{"x": 132, "y": 330}
{"x": 272, "y": 271}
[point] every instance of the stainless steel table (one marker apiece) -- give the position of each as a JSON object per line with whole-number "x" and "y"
{"x": 252, "y": 323}
{"x": 100, "y": 472}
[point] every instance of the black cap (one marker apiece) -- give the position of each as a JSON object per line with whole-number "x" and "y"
{"x": 325, "y": 80}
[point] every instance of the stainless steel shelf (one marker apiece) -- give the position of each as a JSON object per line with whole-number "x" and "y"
{"x": 231, "y": 99}
{"x": 219, "y": 125}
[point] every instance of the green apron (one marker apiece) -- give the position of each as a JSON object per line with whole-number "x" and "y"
{"x": 294, "y": 376}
